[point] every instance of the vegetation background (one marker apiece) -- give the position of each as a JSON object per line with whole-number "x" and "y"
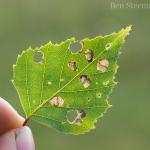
{"x": 25, "y": 23}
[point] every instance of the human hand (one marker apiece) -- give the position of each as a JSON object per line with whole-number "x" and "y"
{"x": 12, "y": 135}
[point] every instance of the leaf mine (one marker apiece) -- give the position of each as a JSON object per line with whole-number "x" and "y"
{"x": 38, "y": 57}
{"x": 57, "y": 101}
{"x": 72, "y": 65}
{"x": 102, "y": 65}
{"x": 85, "y": 81}
{"x": 75, "y": 116}
{"x": 89, "y": 55}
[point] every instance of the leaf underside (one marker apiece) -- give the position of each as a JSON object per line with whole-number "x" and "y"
{"x": 52, "y": 87}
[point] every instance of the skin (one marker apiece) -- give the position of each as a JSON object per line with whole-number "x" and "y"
{"x": 12, "y": 135}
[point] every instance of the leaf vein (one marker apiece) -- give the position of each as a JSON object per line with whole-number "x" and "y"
{"x": 78, "y": 107}
{"x": 62, "y": 68}
{"x": 27, "y": 89}
{"x": 85, "y": 90}
{"x": 46, "y": 118}
{"x": 44, "y": 70}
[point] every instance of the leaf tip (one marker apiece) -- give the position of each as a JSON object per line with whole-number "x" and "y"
{"x": 130, "y": 27}
{"x": 127, "y": 30}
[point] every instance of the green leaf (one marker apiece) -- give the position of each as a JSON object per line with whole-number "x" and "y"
{"x": 65, "y": 90}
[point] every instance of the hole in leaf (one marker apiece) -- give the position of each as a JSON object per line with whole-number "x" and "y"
{"x": 108, "y": 46}
{"x": 57, "y": 101}
{"x": 89, "y": 55}
{"x": 75, "y": 47}
{"x": 85, "y": 81}
{"x": 71, "y": 115}
{"x": 103, "y": 65}
{"x": 38, "y": 57}
{"x": 75, "y": 116}
{"x": 72, "y": 65}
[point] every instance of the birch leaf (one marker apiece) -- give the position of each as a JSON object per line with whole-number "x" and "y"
{"x": 65, "y": 90}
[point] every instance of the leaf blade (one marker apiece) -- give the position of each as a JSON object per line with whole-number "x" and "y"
{"x": 55, "y": 78}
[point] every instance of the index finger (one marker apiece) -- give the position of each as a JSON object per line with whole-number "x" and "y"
{"x": 9, "y": 118}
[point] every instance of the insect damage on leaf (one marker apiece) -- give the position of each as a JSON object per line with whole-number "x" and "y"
{"x": 57, "y": 101}
{"x": 103, "y": 65}
{"x": 85, "y": 81}
{"x": 89, "y": 55}
{"x": 38, "y": 57}
{"x": 68, "y": 90}
{"x": 72, "y": 65}
{"x": 75, "y": 117}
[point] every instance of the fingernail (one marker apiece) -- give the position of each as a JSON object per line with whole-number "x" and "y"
{"x": 24, "y": 139}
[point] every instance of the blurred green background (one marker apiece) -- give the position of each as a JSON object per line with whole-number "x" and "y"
{"x": 25, "y": 23}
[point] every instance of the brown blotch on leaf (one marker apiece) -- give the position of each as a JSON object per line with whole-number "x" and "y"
{"x": 82, "y": 113}
{"x": 103, "y": 65}
{"x": 72, "y": 65}
{"x": 83, "y": 78}
{"x": 85, "y": 81}
{"x": 57, "y": 101}
{"x": 89, "y": 55}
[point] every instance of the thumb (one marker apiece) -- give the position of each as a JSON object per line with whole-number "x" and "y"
{"x": 18, "y": 139}
{"x": 9, "y": 118}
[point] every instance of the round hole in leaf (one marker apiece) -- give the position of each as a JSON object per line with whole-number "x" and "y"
{"x": 38, "y": 57}
{"x": 75, "y": 47}
{"x": 72, "y": 115}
